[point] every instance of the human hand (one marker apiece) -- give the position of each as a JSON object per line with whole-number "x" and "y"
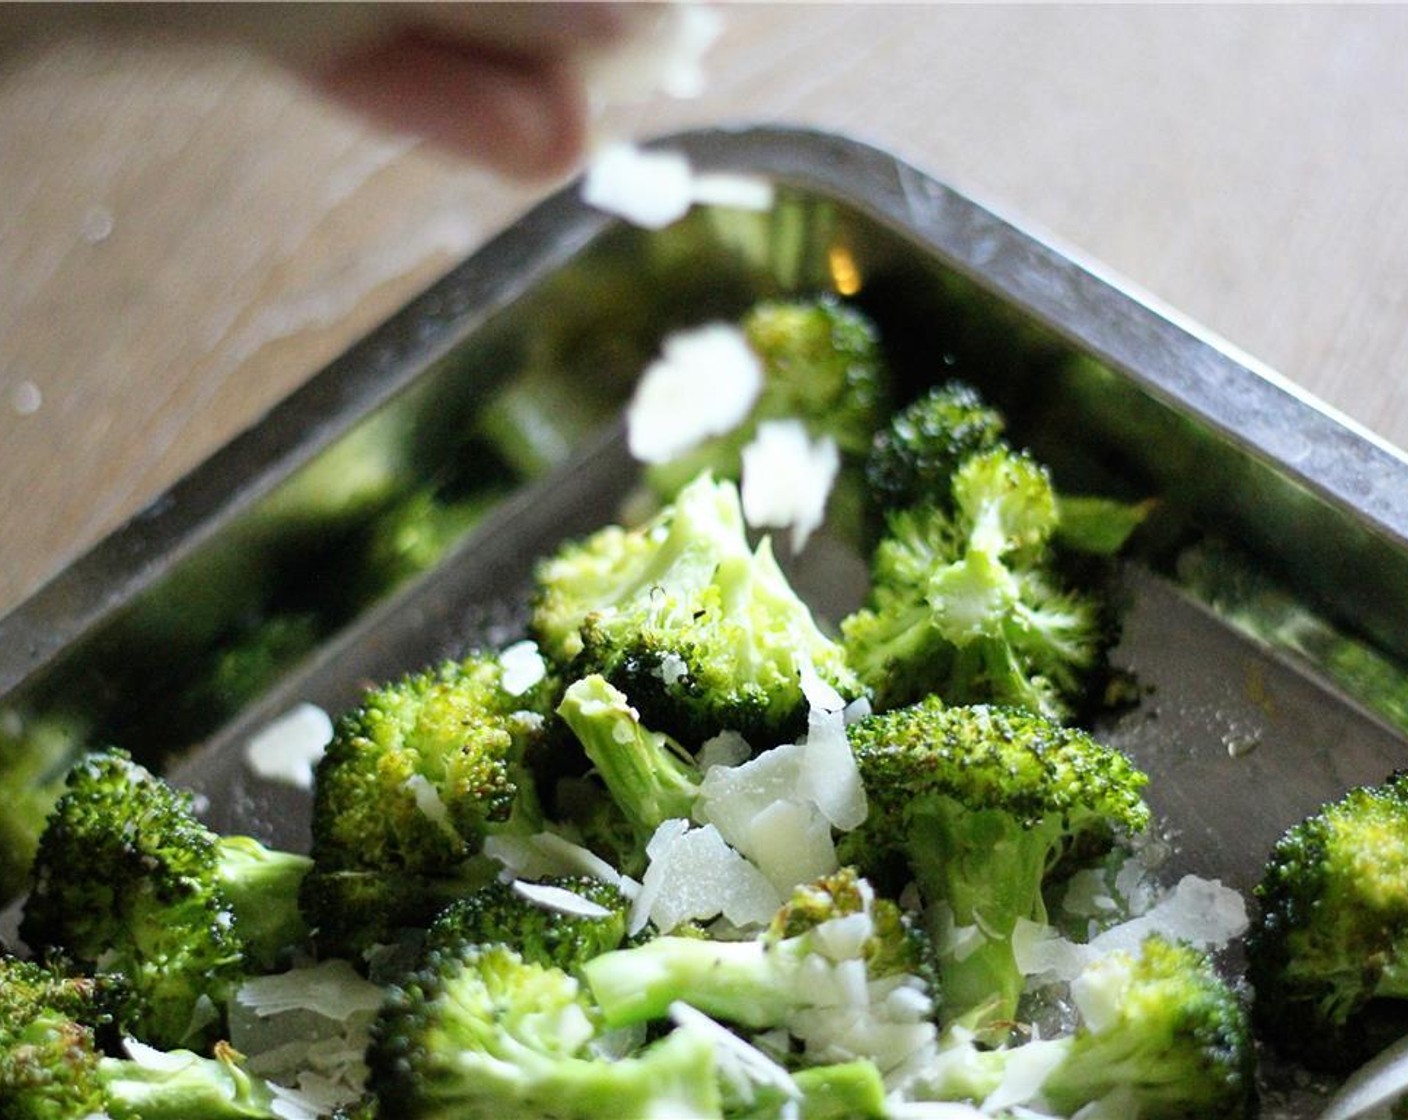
{"x": 499, "y": 83}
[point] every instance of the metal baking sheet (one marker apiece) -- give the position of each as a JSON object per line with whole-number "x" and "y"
{"x": 1245, "y": 724}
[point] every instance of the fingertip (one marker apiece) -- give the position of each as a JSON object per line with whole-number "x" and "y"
{"x": 522, "y": 117}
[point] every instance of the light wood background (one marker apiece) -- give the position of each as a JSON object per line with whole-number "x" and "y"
{"x": 186, "y": 234}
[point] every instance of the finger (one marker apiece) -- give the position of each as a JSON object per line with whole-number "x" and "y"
{"x": 522, "y": 116}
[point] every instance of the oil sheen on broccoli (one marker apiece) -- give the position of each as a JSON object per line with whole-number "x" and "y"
{"x": 1160, "y": 1035}
{"x": 970, "y": 605}
{"x": 413, "y": 781}
{"x": 981, "y": 806}
{"x": 53, "y": 1027}
{"x": 699, "y": 629}
{"x": 127, "y": 881}
{"x": 1328, "y": 950}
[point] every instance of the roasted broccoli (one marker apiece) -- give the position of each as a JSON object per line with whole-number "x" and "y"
{"x": 702, "y": 632}
{"x": 970, "y": 605}
{"x": 426, "y": 766}
{"x": 648, "y": 777}
{"x": 36, "y": 752}
{"x": 562, "y": 921}
{"x": 480, "y": 1032}
{"x": 1328, "y": 950}
{"x": 413, "y": 781}
{"x": 821, "y": 364}
{"x": 53, "y": 1067}
{"x": 843, "y": 972}
{"x": 978, "y": 806}
{"x": 127, "y": 881}
{"x": 1160, "y": 1036}
{"x": 916, "y": 455}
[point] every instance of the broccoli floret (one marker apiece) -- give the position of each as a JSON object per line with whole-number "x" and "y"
{"x": 524, "y": 916}
{"x": 36, "y": 752}
{"x": 702, "y": 632}
{"x": 979, "y": 805}
{"x": 353, "y": 911}
{"x": 1160, "y": 1035}
{"x": 128, "y": 881}
{"x": 53, "y": 1068}
{"x": 916, "y": 455}
{"x": 648, "y": 776}
{"x": 821, "y": 364}
{"x": 1162, "y": 1027}
{"x": 842, "y": 971}
{"x": 426, "y": 766}
{"x": 970, "y": 604}
{"x": 1328, "y": 949}
{"x": 480, "y": 1032}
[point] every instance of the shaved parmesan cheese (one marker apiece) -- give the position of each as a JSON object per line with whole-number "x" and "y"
{"x": 728, "y": 748}
{"x": 662, "y": 52}
{"x": 830, "y": 778}
{"x": 703, "y": 384}
{"x": 1200, "y": 911}
{"x": 1026, "y": 1068}
{"x": 819, "y": 693}
{"x": 559, "y": 900}
{"x": 790, "y": 842}
{"x": 331, "y": 988}
{"x": 693, "y": 875}
{"x": 429, "y": 802}
{"x": 546, "y": 854}
{"x": 787, "y": 478}
{"x": 651, "y": 189}
{"x": 521, "y": 666}
{"x": 289, "y": 748}
{"x": 736, "y": 192}
{"x": 741, "y": 1063}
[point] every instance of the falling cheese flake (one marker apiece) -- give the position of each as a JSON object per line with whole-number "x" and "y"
{"x": 787, "y": 478}
{"x": 289, "y": 748}
{"x": 655, "y": 187}
{"x": 703, "y": 384}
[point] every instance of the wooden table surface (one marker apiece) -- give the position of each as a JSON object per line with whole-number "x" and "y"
{"x": 186, "y": 234}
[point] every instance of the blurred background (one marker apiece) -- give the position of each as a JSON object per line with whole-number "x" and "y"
{"x": 187, "y": 232}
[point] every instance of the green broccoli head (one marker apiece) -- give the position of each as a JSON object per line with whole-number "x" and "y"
{"x": 426, "y": 766}
{"x": 702, "y": 632}
{"x": 52, "y": 1067}
{"x": 1162, "y": 1027}
{"x": 352, "y": 911}
{"x": 971, "y": 605}
{"x": 915, "y": 456}
{"x": 35, "y": 753}
{"x": 480, "y": 1032}
{"x": 48, "y": 1057}
{"x": 1328, "y": 950}
{"x": 127, "y": 881}
{"x": 979, "y": 805}
{"x": 649, "y": 778}
{"x": 540, "y": 920}
{"x": 1159, "y": 1035}
{"x": 821, "y": 364}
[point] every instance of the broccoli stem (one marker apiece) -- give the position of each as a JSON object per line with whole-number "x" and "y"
{"x": 643, "y": 770}
{"x": 844, "y": 1091}
{"x": 988, "y": 869}
{"x": 261, "y": 886}
{"x": 180, "y": 1084}
{"x": 753, "y": 983}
